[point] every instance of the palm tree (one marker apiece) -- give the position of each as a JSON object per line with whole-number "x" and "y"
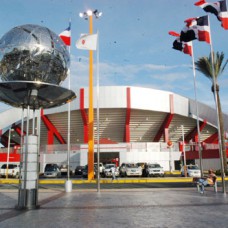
{"x": 204, "y": 65}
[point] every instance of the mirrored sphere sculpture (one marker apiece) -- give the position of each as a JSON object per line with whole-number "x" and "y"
{"x": 33, "y": 53}
{"x": 33, "y": 63}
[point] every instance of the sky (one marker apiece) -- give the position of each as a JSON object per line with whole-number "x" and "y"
{"x": 134, "y": 46}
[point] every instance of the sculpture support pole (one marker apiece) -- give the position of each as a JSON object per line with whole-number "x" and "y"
{"x": 29, "y": 175}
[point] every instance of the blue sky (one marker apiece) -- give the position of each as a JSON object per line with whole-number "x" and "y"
{"x": 135, "y": 48}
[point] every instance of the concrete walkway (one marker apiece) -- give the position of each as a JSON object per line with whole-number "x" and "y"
{"x": 182, "y": 207}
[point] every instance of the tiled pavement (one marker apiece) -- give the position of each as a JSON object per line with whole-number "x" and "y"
{"x": 166, "y": 207}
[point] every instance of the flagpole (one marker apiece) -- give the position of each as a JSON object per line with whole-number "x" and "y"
{"x": 197, "y": 111}
{"x": 68, "y": 184}
{"x": 217, "y": 112}
{"x": 98, "y": 118}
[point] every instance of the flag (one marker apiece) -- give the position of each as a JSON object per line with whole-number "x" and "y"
{"x": 196, "y": 28}
{"x": 213, "y": 8}
{"x": 87, "y": 42}
{"x": 219, "y": 9}
{"x": 66, "y": 35}
{"x": 223, "y": 15}
{"x": 182, "y": 46}
{"x": 185, "y": 47}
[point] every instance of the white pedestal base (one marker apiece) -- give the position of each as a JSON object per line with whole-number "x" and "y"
{"x": 68, "y": 186}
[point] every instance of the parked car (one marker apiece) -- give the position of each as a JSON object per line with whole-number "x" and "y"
{"x": 101, "y": 167}
{"x": 13, "y": 170}
{"x": 192, "y": 171}
{"x": 107, "y": 170}
{"x": 63, "y": 169}
{"x": 85, "y": 172}
{"x": 52, "y": 170}
{"x": 153, "y": 169}
{"x": 130, "y": 169}
{"x": 79, "y": 169}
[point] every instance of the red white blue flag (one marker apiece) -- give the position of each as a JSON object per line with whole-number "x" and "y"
{"x": 196, "y": 28}
{"x": 66, "y": 35}
{"x": 219, "y": 9}
{"x": 185, "y": 47}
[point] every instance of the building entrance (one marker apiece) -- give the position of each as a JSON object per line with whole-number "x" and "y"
{"x": 108, "y": 157}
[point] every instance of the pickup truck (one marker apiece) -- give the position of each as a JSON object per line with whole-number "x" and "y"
{"x": 13, "y": 170}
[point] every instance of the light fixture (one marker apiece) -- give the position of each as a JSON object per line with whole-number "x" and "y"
{"x": 97, "y": 13}
{"x": 88, "y": 13}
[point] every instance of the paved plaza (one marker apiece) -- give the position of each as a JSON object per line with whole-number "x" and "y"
{"x": 144, "y": 207}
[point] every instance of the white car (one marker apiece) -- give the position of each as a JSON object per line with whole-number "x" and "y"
{"x": 101, "y": 167}
{"x": 107, "y": 170}
{"x": 153, "y": 169}
{"x": 13, "y": 170}
{"x": 192, "y": 171}
{"x": 130, "y": 169}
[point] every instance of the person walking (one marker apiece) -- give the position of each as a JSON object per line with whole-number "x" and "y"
{"x": 113, "y": 171}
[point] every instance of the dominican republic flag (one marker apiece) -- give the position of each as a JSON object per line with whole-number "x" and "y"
{"x": 219, "y": 9}
{"x": 66, "y": 35}
{"x": 185, "y": 47}
{"x": 223, "y": 15}
{"x": 196, "y": 28}
{"x": 87, "y": 42}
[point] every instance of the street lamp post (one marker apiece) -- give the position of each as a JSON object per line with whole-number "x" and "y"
{"x": 88, "y": 15}
{"x": 8, "y": 152}
{"x": 184, "y": 152}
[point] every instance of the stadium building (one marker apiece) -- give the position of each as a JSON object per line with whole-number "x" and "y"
{"x": 135, "y": 125}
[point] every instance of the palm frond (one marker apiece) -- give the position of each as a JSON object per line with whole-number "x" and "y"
{"x": 204, "y": 65}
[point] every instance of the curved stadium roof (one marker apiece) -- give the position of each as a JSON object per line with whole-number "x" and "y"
{"x": 144, "y": 112}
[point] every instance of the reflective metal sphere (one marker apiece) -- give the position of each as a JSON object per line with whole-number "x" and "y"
{"x": 33, "y": 53}
{"x": 33, "y": 62}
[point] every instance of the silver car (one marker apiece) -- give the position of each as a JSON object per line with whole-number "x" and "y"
{"x": 107, "y": 170}
{"x": 52, "y": 170}
{"x": 192, "y": 171}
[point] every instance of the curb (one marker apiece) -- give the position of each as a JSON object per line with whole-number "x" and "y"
{"x": 109, "y": 181}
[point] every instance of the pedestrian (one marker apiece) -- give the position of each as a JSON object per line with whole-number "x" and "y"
{"x": 145, "y": 170}
{"x": 209, "y": 180}
{"x": 113, "y": 171}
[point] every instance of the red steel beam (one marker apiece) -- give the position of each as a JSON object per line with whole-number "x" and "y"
{"x": 194, "y": 133}
{"x": 84, "y": 115}
{"x": 52, "y": 130}
{"x": 128, "y": 116}
{"x": 164, "y": 125}
{"x": 212, "y": 139}
{"x": 18, "y": 130}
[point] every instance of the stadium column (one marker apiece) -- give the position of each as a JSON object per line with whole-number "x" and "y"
{"x": 128, "y": 115}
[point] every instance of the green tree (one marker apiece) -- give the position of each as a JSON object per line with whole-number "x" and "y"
{"x": 204, "y": 65}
